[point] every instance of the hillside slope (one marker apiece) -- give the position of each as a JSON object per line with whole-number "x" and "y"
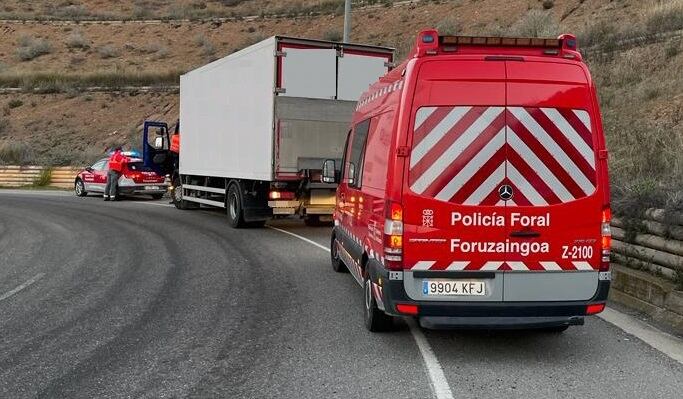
{"x": 639, "y": 81}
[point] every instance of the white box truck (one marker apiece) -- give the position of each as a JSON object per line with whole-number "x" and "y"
{"x": 257, "y": 125}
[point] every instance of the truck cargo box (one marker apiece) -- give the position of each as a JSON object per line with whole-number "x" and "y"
{"x": 272, "y": 109}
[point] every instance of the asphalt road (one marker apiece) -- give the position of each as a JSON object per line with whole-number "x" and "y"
{"x": 138, "y": 299}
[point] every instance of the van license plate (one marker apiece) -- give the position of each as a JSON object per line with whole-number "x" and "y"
{"x": 453, "y": 287}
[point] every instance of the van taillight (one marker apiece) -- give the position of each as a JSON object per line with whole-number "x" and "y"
{"x": 606, "y": 239}
{"x": 393, "y": 236}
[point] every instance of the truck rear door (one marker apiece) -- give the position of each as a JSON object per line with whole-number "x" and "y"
{"x": 554, "y": 213}
{"x": 450, "y": 197}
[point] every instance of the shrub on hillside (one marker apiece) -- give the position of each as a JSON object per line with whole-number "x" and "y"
{"x": 333, "y": 35}
{"x": 207, "y": 48}
{"x": 536, "y": 23}
{"x": 107, "y": 51}
{"x": 31, "y": 48}
{"x": 666, "y": 17}
{"x": 448, "y": 26}
{"x": 78, "y": 41}
{"x": 15, "y": 103}
{"x": 15, "y": 153}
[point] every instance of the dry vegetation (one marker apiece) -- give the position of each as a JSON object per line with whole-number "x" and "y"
{"x": 639, "y": 85}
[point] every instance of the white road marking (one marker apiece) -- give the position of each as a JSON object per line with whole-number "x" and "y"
{"x": 21, "y": 287}
{"x": 437, "y": 378}
{"x": 666, "y": 343}
{"x": 324, "y": 248}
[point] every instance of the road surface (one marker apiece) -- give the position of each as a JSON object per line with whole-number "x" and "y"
{"x": 138, "y": 299}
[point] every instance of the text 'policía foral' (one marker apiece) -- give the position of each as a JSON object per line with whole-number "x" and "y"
{"x": 514, "y": 219}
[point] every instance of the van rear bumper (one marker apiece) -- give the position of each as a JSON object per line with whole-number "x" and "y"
{"x": 511, "y": 322}
{"x": 499, "y": 314}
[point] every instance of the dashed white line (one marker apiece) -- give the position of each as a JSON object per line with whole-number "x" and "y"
{"x": 437, "y": 378}
{"x": 661, "y": 341}
{"x": 21, "y": 287}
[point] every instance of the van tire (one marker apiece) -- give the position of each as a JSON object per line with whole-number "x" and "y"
{"x": 337, "y": 264}
{"x": 375, "y": 319}
{"x": 234, "y": 207}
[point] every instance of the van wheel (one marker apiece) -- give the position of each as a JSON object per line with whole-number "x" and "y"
{"x": 337, "y": 264}
{"x": 235, "y": 209}
{"x": 79, "y": 188}
{"x": 375, "y": 319}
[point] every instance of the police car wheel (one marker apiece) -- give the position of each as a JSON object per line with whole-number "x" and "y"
{"x": 375, "y": 319}
{"x": 79, "y": 188}
{"x": 337, "y": 264}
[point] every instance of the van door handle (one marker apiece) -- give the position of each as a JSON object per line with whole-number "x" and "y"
{"x": 525, "y": 234}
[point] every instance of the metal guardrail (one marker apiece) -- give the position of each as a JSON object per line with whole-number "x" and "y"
{"x": 21, "y": 176}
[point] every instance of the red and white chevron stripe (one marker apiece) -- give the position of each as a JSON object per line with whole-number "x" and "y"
{"x": 566, "y": 265}
{"x": 463, "y": 154}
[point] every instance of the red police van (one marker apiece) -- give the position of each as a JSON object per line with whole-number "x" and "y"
{"x": 473, "y": 189}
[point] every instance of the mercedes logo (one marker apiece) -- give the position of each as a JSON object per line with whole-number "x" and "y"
{"x": 505, "y": 192}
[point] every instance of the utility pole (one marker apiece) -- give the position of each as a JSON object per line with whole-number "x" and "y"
{"x": 347, "y": 21}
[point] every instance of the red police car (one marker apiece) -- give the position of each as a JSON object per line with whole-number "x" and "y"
{"x": 135, "y": 179}
{"x": 474, "y": 189}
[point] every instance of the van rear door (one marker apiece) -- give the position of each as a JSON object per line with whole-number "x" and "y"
{"x": 555, "y": 211}
{"x": 450, "y": 194}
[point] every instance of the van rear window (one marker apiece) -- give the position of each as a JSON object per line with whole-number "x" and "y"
{"x": 464, "y": 154}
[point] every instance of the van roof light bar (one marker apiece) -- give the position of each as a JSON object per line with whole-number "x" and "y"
{"x": 501, "y": 41}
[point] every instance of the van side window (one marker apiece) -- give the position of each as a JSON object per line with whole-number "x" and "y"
{"x": 360, "y": 136}
{"x": 345, "y": 157}
{"x": 376, "y": 158}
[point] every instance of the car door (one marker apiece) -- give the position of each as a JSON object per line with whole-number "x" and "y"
{"x": 96, "y": 178}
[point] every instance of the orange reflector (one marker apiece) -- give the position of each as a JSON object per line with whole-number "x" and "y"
{"x": 407, "y": 309}
{"x": 606, "y": 215}
{"x": 396, "y": 241}
{"x": 595, "y": 308}
{"x": 607, "y": 242}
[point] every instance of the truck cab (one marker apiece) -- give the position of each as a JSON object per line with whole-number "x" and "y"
{"x": 474, "y": 189}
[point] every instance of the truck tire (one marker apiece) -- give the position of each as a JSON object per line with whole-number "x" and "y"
{"x": 79, "y": 188}
{"x": 375, "y": 319}
{"x": 337, "y": 264}
{"x": 177, "y": 196}
{"x": 312, "y": 220}
{"x": 235, "y": 208}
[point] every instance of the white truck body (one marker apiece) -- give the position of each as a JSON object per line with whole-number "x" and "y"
{"x": 233, "y": 125}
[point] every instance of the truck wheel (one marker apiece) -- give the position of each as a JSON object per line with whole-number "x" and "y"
{"x": 312, "y": 220}
{"x": 79, "y": 188}
{"x": 177, "y": 196}
{"x": 337, "y": 264}
{"x": 375, "y": 319}
{"x": 235, "y": 209}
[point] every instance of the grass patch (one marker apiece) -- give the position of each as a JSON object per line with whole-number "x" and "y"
{"x": 55, "y": 82}
{"x": 44, "y": 179}
{"x": 76, "y": 40}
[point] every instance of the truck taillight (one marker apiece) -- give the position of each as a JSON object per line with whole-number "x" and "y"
{"x": 606, "y": 239}
{"x": 393, "y": 236}
{"x": 284, "y": 195}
